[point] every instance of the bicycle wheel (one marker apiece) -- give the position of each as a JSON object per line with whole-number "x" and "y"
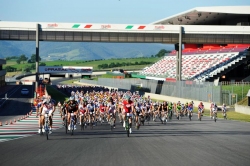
{"x": 128, "y": 132}
{"x": 66, "y": 125}
{"x": 91, "y": 124}
{"x": 82, "y": 125}
{"x": 47, "y": 130}
{"x": 111, "y": 124}
{"x": 72, "y": 127}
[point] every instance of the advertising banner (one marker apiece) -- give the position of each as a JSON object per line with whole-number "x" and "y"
{"x": 65, "y": 69}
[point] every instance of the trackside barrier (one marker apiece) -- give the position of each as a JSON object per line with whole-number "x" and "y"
{"x": 242, "y": 109}
{"x": 169, "y": 98}
{"x": 176, "y": 99}
{"x": 204, "y": 91}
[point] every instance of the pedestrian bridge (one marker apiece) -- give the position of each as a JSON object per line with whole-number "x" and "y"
{"x": 124, "y": 33}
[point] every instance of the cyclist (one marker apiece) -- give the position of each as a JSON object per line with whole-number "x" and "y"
{"x": 82, "y": 110}
{"x": 102, "y": 111}
{"x": 200, "y": 109}
{"x": 59, "y": 106}
{"x": 170, "y": 110}
{"x": 186, "y": 109}
{"x": 178, "y": 110}
{"x": 111, "y": 108}
{"x": 46, "y": 107}
{"x": 164, "y": 110}
{"x": 64, "y": 111}
{"x": 128, "y": 107}
{"x": 72, "y": 107}
{"x": 214, "y": 110}
{"x": 91, "y": 111}
{"x": 51, "y": 106}
{"x": 224, "y": 109}
{"x": 211, "y": 109}
{"x": 190, "y": 109}
{"x": 138, "y": 111}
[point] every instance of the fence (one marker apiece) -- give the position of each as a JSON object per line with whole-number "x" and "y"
{"x": 204, "y": 91}
{"x": 232, "y": 92}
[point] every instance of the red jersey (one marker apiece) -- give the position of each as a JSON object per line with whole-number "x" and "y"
{"x": 102, "y": 108}
{"x": 127, "y": 105}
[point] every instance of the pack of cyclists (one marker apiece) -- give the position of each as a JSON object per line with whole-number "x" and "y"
{"x": 99, "y": 105}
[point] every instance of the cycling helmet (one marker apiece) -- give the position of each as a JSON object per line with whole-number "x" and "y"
{"x": 71, "y": 98}
{"x": 127, "y": 97}
{"x": 44, "y": 101}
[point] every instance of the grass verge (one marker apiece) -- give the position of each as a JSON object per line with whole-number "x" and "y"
{"x": 231, "y": 115}
{"x": 55, "y": 94}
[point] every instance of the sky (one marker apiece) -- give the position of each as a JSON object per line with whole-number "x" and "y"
{"x": 102, "y": 11}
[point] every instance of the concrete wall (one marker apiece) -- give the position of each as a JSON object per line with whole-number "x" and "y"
{"x": 242, "y": 109}
{"x": 175, "y": 99}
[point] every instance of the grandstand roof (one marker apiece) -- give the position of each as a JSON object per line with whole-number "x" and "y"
{"x": 204, "y": 15}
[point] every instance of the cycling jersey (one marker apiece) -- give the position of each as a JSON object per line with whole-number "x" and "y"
{"x": 111, "y": 108}
{"x": 127, "y": 106}
{"x": 72, "y": 107}
{"x": 200, "y": 108}
{"x": 91, "y": 107}
{"x": 190, "y": 107}
{"x": 178, "y": 107}
{"x": 102, "y": 108}
{"x": 82, "y": 109}
{"x": 47, "y": 108}
{"x": 165, "y": 107}
{"x": 170, "y": 107}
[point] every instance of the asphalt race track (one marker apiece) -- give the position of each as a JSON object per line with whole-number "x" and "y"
{"x": 181, "y": 143}
{"x": 16, "y": 105}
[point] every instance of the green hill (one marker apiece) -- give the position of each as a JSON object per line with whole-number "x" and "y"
{"x": 80, "y": 50}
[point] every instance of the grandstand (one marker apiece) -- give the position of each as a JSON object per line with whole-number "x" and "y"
{"x": 200, "y": 64}
{"x": 206, "y": 62}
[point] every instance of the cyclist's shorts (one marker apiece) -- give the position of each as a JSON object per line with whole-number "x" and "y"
{"x": 50, "y": 112}
{"x": 82, "y": 111}
{"x": 129, "y": 114}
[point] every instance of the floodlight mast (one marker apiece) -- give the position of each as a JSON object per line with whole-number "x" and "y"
{"x": 37, "y": 56}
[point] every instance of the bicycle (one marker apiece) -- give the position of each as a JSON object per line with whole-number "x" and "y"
{"x": 170, "y": 113}
{"x": 83, "y": 122}
{"x": 147, "y": 117}
{"x": 72, "y": 123}
{"x": 65, "y": 123}
{"x": 190, "y": 115}
{"x": 224, "y": 113}
{"x": 200, "y": 112}
{"x": 111, "y": 121}
{"x": 91, "y": 120}
{"x": 163, "y": 117}
{"x": 127, "y": 125}
{"x": 46, "y": 125}
{"x": 139, "y": 121}
{"x": 215, "y": 116}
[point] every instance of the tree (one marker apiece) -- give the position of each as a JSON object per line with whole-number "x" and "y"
{"x": 23, "y": 58}
{"x": 42, "y": 64}
{"x": 33, "y": 58}
{"x": 18, "y": 61}
{"x": 10, "y": 69}
{"x": 33, "y": 66}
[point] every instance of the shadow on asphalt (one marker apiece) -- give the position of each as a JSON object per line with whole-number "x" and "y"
{"x": 104, "y": 133}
